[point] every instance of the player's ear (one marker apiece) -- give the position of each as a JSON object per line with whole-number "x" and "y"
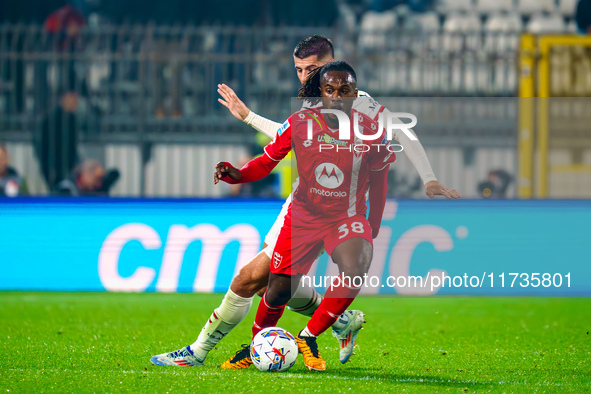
{"x": 356, "y": 93}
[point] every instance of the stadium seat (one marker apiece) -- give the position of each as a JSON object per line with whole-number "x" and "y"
{"x": 572, "y": 27}
{"x": 502, "y": 33}
{"x": 462, "y": 39}
{"x": 543, "y": 24}
{"x": 489, "y": 7}
{"x": 462, "y": 22}
{"x": 449, "y": 6}
{"x": 427, "y": 22}
{"x": 529, "y": 7}
{"x": 501, "y": 41}
{"x": 348, "y": 19}
{"x": 503, "y": 23}
{"x": 567, "y": 7}
{"x": 454, "y": 29}
{"x": 376, "y": 37}
{"x": 374, "y": 25}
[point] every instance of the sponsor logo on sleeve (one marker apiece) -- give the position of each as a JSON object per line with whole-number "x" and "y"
{"x": 283, "y": 127}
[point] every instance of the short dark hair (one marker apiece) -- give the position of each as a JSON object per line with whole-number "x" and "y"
{"x": 311, "y": 87}
{"x": 314, "y": 45}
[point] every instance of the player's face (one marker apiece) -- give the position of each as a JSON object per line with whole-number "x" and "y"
{"x": 92, "y": 179}
{"x": 338, "y": 90}
{"x": 305, "y": 66}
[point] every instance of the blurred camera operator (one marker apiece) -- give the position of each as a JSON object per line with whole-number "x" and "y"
{"x": 89, "y": 178}
{"x": 11, "y": 183}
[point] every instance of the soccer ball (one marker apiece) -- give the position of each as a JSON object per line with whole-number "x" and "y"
{"x": 273, "y": 349}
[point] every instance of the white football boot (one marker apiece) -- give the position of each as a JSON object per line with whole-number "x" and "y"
{"x": 179, "y": 358}
{"x": 348, "y": 334}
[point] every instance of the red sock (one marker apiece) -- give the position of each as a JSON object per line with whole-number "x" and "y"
{"x": 267, "y": 315}
{"x": 336, "y": 301}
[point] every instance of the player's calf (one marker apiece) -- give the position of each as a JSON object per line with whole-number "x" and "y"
{"x": 252, "y": 277}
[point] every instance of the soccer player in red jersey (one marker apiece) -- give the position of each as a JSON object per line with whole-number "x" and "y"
{"x": 328, "y": 207}
{"x": 310, "y": 54}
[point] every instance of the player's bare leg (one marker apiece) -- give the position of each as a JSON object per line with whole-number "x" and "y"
{"x": 278, "y": 293}
{"x": 251, "y": 279}
{"x": 353, "y": 257}
{"x": 235, "y": 305}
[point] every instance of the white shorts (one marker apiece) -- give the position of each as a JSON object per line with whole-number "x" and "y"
{"x": 273, "y": 234}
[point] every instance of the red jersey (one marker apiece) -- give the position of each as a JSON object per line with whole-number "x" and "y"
{"x": 333, "y": 173}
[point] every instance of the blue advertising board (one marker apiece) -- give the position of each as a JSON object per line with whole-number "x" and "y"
{"x": 464, "y": 247}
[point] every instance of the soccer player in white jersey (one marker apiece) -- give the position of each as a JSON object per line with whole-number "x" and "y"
{"x": 311, "y": 53}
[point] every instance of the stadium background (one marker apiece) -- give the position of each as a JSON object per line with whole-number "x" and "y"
{"x": 499, "y": 89}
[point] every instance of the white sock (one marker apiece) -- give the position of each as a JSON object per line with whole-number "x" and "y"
{"x": 305, "y": 300}
{"x": 306, "y": 333}
{"x": 228, "y": 315}
{"x": 341, "y": 322}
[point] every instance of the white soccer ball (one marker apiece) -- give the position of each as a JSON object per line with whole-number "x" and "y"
{"x": 273, "y": 349}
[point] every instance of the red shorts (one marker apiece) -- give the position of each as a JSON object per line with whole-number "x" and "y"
{"x": 299, "y": 244}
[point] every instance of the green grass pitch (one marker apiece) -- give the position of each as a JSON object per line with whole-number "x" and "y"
{"x": 102, "y": 342}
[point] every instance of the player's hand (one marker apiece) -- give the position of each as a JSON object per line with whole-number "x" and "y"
{"x": 232, "y": 102}
{"x": 434, "y": 188}
{"x": 223, "y": 169}
{"x": 375, "y": 232}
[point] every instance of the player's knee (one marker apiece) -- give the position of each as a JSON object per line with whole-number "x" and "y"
{"x": 262, "y": 291}
{"x": 356, "y": 272}
{"x": 278, "y": 294}
{"x": 356, "y": 267}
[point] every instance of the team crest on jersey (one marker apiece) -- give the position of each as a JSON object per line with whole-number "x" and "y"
{"x": 283, "y": 127}
{"x": 277, "y": 259}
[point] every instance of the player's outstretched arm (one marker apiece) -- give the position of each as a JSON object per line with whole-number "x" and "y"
{"x": 224, "y": 171}
{"x": 241, "y": 112}
{"x": 434, "y": 188}
{"x": 418, "y": 157}
{"x": 231, "y": 101}
{"x": 252, "y": 171}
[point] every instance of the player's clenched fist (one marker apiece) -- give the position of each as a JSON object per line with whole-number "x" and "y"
{"x": 223, "y": 169}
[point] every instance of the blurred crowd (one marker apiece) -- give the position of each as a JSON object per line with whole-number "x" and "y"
{"x": 87, "y": 178}
{"x": 73, "y": 14}
{"x": 56, "y": 146}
